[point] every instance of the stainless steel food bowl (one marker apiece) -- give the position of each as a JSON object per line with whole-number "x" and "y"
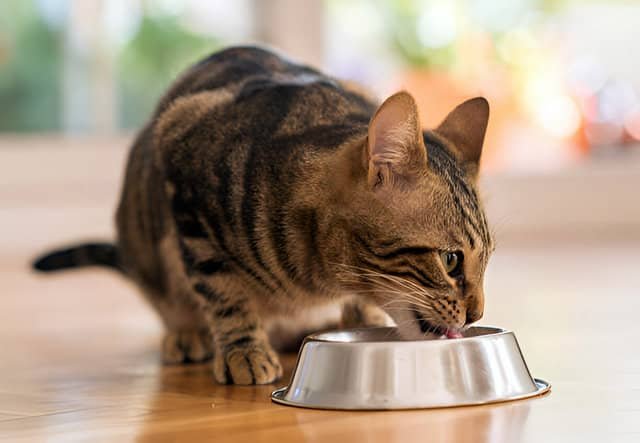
{"x": 376, "y": 369}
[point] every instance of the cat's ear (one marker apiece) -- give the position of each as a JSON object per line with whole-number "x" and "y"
{"x": 465, "y": 128}
{"x": 395, "y": 146}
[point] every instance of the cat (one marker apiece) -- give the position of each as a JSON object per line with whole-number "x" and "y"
{"x": 262, "y": 188}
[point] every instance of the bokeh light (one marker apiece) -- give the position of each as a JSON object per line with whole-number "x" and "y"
{"x": 558, "y": 115}
{"x": 438, "y": 24}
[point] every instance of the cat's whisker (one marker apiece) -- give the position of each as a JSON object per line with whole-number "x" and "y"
{"x": 416, "y": 296}
{"x": 391, "y": 306}
{"x": 392, "y": 289}
{"x": 390, "y": 302}
{"x": 400, "y": 281}
{"x": 387, "y": 291}
{"x": 400, "y": 310}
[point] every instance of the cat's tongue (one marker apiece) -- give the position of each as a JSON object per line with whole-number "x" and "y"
{"x": 452, "y": 333}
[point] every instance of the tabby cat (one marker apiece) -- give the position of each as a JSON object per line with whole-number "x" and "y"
{"x": 261, "y": 188}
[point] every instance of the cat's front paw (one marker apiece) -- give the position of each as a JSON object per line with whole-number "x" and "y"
{"x": 247, "y": 363}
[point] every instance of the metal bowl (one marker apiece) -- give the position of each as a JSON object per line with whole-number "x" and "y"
{"x": 377, "y": 369}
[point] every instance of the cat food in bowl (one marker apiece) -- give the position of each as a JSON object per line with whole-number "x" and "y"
{"x": 377, "y": 369}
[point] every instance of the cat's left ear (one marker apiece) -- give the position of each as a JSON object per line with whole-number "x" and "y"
{"x": 395, "y": 147}
{"x": 465, "y": 128}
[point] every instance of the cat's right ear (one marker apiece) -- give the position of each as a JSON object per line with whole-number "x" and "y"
{"x": 395, "y": 146}
{"x": 465, "y": 128}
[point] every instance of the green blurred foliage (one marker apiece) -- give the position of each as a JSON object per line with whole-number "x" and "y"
{"x": 30, "y": 70}
{"x": 32, "y": 57}
{"x": 402, "y": 28}
{"x": 159, "y": 51}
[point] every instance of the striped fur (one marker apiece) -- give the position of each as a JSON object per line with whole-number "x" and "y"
{"x": 248, "y": 199}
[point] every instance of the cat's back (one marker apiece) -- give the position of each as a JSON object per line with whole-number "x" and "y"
{"x": 260, "y": 93}
{"x": 237, "y": 66}
{"x": 248, "y": 70}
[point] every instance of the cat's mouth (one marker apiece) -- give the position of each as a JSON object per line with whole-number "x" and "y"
{"x": 441, "y": 331}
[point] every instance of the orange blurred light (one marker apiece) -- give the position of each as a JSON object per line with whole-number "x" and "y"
{"x": 632, "y": 124}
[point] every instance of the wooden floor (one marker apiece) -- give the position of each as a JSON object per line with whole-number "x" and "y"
{"x": 79, "y": 351}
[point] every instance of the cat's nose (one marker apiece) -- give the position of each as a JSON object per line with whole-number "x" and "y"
{"x": 473, "y": 315}
{"x": 475, "y": 306}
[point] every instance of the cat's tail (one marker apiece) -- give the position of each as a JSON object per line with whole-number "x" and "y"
{"x": 86, "y": 254}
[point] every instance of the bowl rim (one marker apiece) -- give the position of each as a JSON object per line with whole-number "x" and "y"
{"x": 317, "y": 337}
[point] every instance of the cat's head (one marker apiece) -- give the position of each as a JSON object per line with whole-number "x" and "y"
{"x": 418, "y": 237}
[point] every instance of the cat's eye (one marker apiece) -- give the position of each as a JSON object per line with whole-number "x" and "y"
{"x": 452, "y": 262}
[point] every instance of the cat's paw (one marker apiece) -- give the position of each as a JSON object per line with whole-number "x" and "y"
{"x": 362, "y": 315}
{"x": 187, "y": 347}
{"x": 247, "y": 363}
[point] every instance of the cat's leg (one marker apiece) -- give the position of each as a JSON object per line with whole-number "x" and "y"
{"x": 188, "y": 337}
{"x": 243, "y": 354}
{"x": 357, "y": 313}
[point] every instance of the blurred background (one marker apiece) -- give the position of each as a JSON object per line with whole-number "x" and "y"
{"x": 561, "y": 76}
{"x": 562, "y": 156}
